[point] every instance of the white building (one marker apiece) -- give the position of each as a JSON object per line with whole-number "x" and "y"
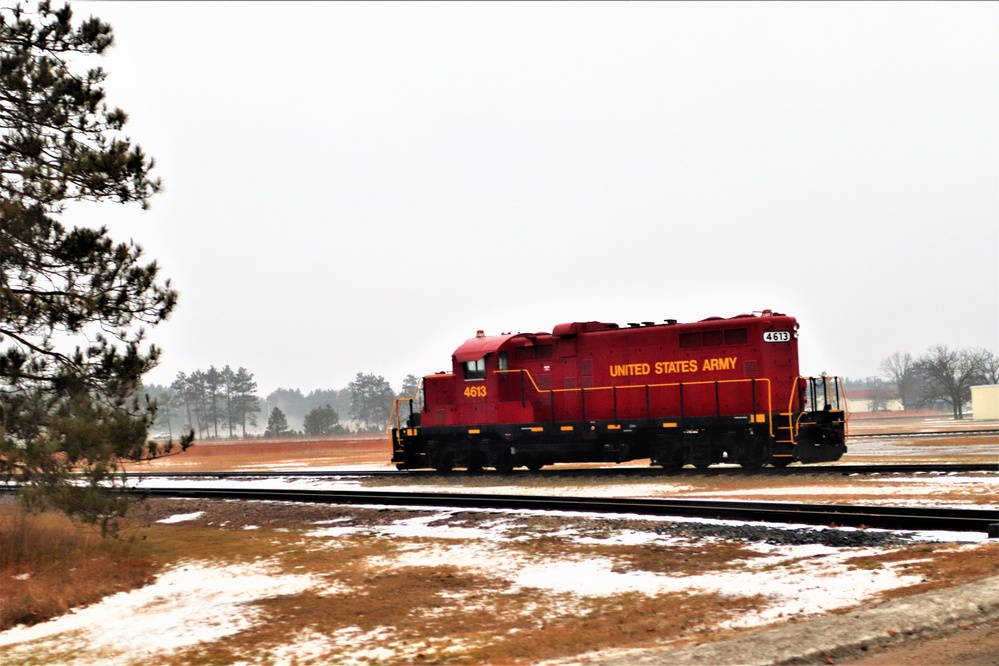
{"x": 985, "y": 402}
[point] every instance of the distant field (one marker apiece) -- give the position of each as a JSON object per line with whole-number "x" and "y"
{"x": 277, "y": 454}
{"x": 375, "y": 451}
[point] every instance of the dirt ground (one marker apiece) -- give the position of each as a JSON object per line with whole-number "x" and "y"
{"x": 970, "y": 645}
{"x": 447, "y": 590}
{"x": 394, "y": 586}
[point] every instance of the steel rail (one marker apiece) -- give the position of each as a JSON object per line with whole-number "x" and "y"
{"x": 949, "y": 468}
{"x": 924, "y": 433}
{"x": 886, "y": 517}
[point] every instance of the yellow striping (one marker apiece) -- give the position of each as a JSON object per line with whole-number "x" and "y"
{"x": 566, "y": 428}
{"x": 669, "y": 424}
{"x": 474, "y": 431}
{"x": 537, "y": 429}
{"x": 766, "y": 396}
{"x": 613, "y": 426}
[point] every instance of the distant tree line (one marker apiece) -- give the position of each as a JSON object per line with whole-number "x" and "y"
{"x": 221, "y": 403}
{"x": 939, "y": 375}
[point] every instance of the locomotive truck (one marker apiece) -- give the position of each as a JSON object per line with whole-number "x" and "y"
{"x": 720, "y": 390}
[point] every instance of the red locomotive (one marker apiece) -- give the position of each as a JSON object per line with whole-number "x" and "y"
{"x": 718, "y": 390}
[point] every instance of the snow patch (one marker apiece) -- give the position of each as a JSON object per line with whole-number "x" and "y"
{"x": 182, "y": 517}
{"x": 188, "y": 604}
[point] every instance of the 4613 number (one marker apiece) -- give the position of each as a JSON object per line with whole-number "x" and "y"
{"x": 776, "y": 336}
{"x": 475, "y": 391}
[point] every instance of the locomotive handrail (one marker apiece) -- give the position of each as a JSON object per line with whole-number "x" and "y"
{"x": 679, "y": 385}
{"x": 396, "y": 413}
{"x": 794, "y": 423}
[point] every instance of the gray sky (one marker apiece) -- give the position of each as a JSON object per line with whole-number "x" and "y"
{"x": 359, "y": 187}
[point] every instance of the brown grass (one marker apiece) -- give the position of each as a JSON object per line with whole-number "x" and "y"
{"x": 274, "y": 454}
{"x": 940, "y": 565}
{"x": 448, "y": 614}
{"x": 428, "y": 608}
{"x": 48, "y": 565}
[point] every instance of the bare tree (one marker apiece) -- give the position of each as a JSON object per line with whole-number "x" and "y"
{"x": 879, "y": 393}
{"x": 989, "y": 362}
{"x": 950, "y": 374}
{"x": 902, "y": 370}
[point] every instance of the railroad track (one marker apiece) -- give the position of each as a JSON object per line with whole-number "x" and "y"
{"x": 927, "y": 433}
{"x": 886, "y": 517}
{"x": 560, "y": 472}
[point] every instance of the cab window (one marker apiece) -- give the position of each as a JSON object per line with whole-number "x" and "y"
{"x": 475, "y": 369}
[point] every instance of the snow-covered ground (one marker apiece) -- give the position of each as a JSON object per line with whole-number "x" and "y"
{"x": 201, "y": 602}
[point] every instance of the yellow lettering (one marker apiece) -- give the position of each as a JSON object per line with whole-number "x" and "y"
{"x": 630, "y": 369}
{"x": 674, "y": 367}
{"x": 714, "y": 364}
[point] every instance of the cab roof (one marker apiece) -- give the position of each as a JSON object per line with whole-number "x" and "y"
{"x": 475, "y": 348}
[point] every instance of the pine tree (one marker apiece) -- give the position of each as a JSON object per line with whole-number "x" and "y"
{"x": 245, "y": 403}
{"x": 321, "y": 421}
{"x": 277, "y": 424}
{"x": 73, "y": 302}
{"x": 371, "y": 399}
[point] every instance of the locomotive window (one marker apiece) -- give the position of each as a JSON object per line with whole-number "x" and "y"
{"x": 713, "y": 338}
{"x": 544, "y": 351}
{"x": 504, "y": 364}
{"x": 475, "y": 369}
{"x": 688, "y": 340}
{"x": 523, "y": 353}
{"x": 736, "y": 336}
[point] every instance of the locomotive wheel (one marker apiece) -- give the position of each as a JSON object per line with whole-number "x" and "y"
{"x": 780, "y": 463}
{"x": 701, "y": 465}
{"x": 753, "y": 464}
{"x": 535, "y": 466}
{"x": 445, "y": 463}
{"x": 504, "y": 468}
{"x": 667, "y": 455}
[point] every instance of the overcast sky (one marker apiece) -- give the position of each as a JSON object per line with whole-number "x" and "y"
{"x": 359, "y": 187}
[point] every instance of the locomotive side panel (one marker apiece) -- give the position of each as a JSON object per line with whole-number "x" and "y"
{"x": 697, "y": 393}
